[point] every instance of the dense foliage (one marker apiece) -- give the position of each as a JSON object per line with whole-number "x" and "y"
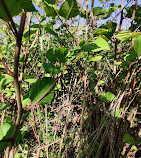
{"x": 70, "y": 78}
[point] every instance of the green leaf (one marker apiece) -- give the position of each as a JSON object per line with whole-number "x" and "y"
{"x": 82, "y": 43}
{"x": 101, "y": 82}
{"x": 123, "y": 35}
{"x": 4, "y": 128}
{"x": 69, "y": 9}
{"x": 61, "y": 54}
{"x": 96, "y": 58}
{"x": 118, "y": 63}
{"x": 5, "y": 80}
{"x": 107, "y": 13}
{"x": 32, "y": 80}
{"x": 137, "y": 45}
{"x": 2, "y": 67}
{"x": 26, "y": 102}
{"x": 39, "y": 88}
{"x": 98, "y": 11}
{"x": 98, "y": 45}
{"x": 107, "y": 96}
{"x": 134, "y": 148}
{"x": 29, "y": 33}
{"x": 51, "y": 1}
{"x": 51, "y": 55}
{"x": 49, "y": 68}
{"x": 127, "y": 139}
{"x": 130, "y": 56}
{"x": 49, "y": 10}
{"x": 50, "y": 30}
{"x": 133, "y": 34}
{"x": 3, "y": 106}
{"x": 100, "y": 31}
{"x": 15, "y": 7}
{"x": 18, "y": 155}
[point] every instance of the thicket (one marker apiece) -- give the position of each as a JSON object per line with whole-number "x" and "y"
{"x": 70, "y": 78}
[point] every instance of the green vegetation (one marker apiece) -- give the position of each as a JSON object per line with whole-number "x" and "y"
{"x": 69, "y": 78}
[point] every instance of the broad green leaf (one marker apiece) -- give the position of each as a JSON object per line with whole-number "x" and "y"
{"x": 18, "y": 155}
{"x": 130, "y": 56}
{"x": 82, "y": 43}
{"x": 127, "y": 139}
{"x": 98, "y": 11}
{"x": 39, "y": 88}
{"x": 111, "y": 26}
{"x": 15, "y": 7}
{"x": 49, "y": 68}
{"x": 7, "y": 120}
{"x": 50, "y": 30}
{"x": 98, "y": 45}
{"x": 3, "y": 106}
{"x": 51, "y": 55}
{"x": 4, "y": 128}
{"x": 137, "y": 45}
{"x": 51, "y": 1}
{"x": 25, "y": 102}
{"x": 118, "y": 63}
{"x": 29, "y": 33}
{"x": 133, "y": 34}
{"x": 96, "y": 58}
{"x": 49, "y": 10}
{"x": 100, "y": 31}
{"x": 5, "y": 80}
{"x": 61, "y": 54}
{"x": 32, "y": 80}
{"x": 107, "y": 96}
{"x": 123, "y": 35}
{"x": 69, "y": 9}
{"x": 25, "y": 115}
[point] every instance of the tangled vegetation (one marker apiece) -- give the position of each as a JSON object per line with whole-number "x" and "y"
{"x": 70, "y": 75}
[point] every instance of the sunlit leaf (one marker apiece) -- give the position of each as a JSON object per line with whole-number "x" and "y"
{"x": 137, "y": 45}
{"x": 32, "y": 80}
{"x": 107, "y": 96}
{"x": 96, "y": 58}
{"x": 51, "y": 1}
{"x": 69, "y": 9}
{"x": 97, "y": 45}
{"x": 39, "y": 88}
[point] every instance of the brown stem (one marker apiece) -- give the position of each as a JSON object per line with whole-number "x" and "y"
{"x": 121, "y": 17}
{"x": 118, "y": 13}
{"x": 133, "y": 15}
{"x": 7, "y": 68}
{"x": 16, "y": 82}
